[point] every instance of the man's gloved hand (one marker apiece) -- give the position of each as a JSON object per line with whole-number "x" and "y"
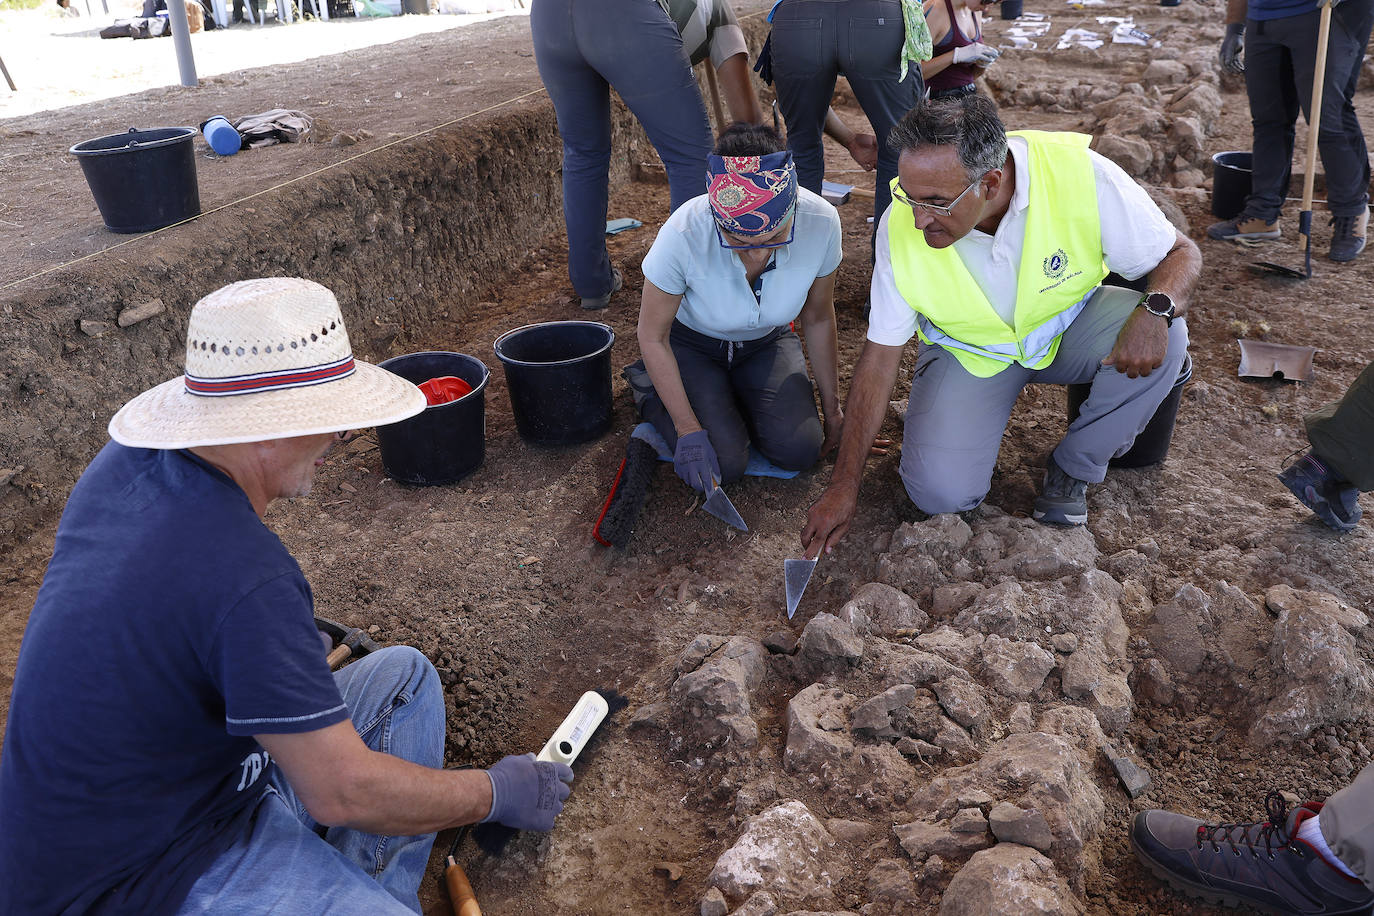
{"x": 695, "y": 461}
{"x": 526, "y": 794}
{"x": 977, "y": 53}
{"x": 1232, "y": 53}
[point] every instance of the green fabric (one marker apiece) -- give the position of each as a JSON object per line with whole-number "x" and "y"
{"x": 1342, "y": 433}
{"x": 917, "y": 46}
{"x": 1061, "y": 259}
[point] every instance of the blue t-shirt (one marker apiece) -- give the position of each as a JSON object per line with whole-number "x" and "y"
{"x": 1278, "y": 9}
{"x": 171, "y": 626}
{"x": 687, "y": 260}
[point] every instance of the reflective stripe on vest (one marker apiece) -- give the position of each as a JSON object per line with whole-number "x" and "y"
{"x": 1061, "y": 265}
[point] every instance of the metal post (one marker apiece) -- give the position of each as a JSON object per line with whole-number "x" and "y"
{"x": 5, "y": 70}
{"x": 181, "y": 37}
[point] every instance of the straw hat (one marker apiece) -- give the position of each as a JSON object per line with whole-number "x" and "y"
{"x": 265, "y": 359}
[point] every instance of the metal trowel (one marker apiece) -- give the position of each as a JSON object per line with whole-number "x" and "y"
{"x": 719, "y": 505}
{"x": 795, "y": 576}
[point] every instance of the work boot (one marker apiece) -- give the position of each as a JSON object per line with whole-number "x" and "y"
{"x": 1263, "y": 865}
{"x": 1347, "y": 236}
{"x": 592, "y": 303}
{"x": 1063, "y": 499}
{"x": 1321, "y": 489}
{"x": 1246, "y": 229}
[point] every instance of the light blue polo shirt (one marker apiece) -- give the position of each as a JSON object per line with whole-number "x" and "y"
{"x": 687, "y": 260}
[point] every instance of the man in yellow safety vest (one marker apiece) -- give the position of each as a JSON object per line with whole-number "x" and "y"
{"x": 994, "y": 252}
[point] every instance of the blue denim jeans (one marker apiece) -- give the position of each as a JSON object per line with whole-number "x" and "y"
{"x": 583, "y": 48}
{"x": 290, "y": 864}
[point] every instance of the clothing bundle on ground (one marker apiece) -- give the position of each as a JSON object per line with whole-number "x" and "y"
{"x": 279, "y": 125}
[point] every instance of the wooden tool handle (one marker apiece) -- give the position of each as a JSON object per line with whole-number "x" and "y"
{"x": 862, "y": 192}
{"x": 338, "y": 656}
{"x": 1314, "y": 116}
{"x": 460, "y": 890}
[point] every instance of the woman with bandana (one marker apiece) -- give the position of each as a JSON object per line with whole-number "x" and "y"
{"x": 728, "y": 274}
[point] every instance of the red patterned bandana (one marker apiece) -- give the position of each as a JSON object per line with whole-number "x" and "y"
{"x": 751, "y": 195}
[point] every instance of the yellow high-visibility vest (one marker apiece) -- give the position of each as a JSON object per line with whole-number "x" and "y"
{"x": 1061, "y": 265}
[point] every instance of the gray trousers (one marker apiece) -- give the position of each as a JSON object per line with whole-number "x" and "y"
{"x": 1348, "y": 824}
{"x": 955, "y": 420}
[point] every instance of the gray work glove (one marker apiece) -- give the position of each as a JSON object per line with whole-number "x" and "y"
{"x": 1232, "y": 53}
{"x": 695, "y": 461}
{"x": 978, "y": 54}
{"x": 526, "y": 794}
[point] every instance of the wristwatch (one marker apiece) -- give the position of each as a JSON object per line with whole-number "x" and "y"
{"x": 1159, "y": 305}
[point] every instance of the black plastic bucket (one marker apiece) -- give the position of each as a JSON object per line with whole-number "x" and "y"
{"x": 559, "y": 376}
{"x": 1011, "y": 9}
{"x": 1230, "y": 183}
{"x": 1152, "y": 445}
{"x": 143, "y": 179}
{"x": 444, "y": 442}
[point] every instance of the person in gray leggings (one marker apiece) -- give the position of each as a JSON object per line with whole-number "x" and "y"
{"x": 815, "y": 40}
{"x": 585, "y": 47}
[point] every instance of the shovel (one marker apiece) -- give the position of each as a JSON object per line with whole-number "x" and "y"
{"x": 1308, "y": 180}
{"x": 795, "y": 576}
{"x": 719, "y": 505}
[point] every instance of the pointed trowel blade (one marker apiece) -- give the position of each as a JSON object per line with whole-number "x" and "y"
{"x": 795, "y": 575}
{"x": 719, "y": 505}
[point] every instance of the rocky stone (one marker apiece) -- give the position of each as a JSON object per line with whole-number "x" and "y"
{"x": 1005, "y": 609}
{"x": 1153, "y": 684}
{"x": 1035, "y": 551}
{"x": 891, "y": 880}
{"x": 1035, "y": 772}
{"x": 1319, "y": 676}
{"x": 854, "y": 832}
{"x": 1011, "y": 824}
{"x": 1164, "y": 73}
{"x": 1188, "y": 137}
{"x": 910, "y": 572}
{"x": 1281, "y": 598}
{"x": 713, "y": 903}
{"x": 901, "y": 664}
{"x": 714, "y": 697}
{"x": 955, "y": 742}
{"x": 949, "y": 599}
{"x": 761, "y": 904}
{"x": 784, "y": 850}
{"x": 783, "y": 642}
{"x": 1188, "y": 178}
{"x": 1066, "y": 643}
{"x": 963, "y": 702}
{"x": 941, "y": 537}
{"x": 1133, "y": 778}
{"x": 140, "y": 312}
{"x": 697, "y": 651}
{"x": 818, "y": 728}
{"x": 1008, "y": 880}
{"x": 828, "y": 645}
{"x": 754, "y": 796}
{"x": 1096, "y": 673}
{"x": 873, "y": 718}
{"x": 969, "y": 819}
{"x": 1131, "y": 153}
{"x": 962, "y": 649}
{"x": 92, "y": 327}
{"x": 1021, "y": 719}
{"x": 929, "y": 838}
{"x": 915, "y": 747}
{"x": 881, "y": 610}
{"x": 1013, "y": 668}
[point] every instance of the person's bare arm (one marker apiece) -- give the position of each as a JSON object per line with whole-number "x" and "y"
{"x": 818, "y": 326}
{"x": 656, "y": 312}
{"x": 1144, "y": 339}
{"x": 739, "y": 93}
{"x": 862, "y": 147}
{"x": 829, "y": 518}
{"x": 343, "y": 783}
{"x": 1236, "y": 11}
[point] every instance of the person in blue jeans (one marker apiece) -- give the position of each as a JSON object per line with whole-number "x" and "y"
{"x": 646, "y": 51}
{"x": 815, "y": 40}
{"x": 176, "y": 741}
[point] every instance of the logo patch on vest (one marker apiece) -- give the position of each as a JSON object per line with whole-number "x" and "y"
{"x": 1054, "y": 265}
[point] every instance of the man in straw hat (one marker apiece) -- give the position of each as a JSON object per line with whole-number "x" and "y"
{"x": 994, "y": 252}
{"x": 175, "y": 739}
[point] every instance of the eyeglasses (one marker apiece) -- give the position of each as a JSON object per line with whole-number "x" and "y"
{"x": 791, "y": 234}
{"x": 937, "y": 209}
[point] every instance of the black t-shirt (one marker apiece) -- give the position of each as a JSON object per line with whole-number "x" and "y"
{"x": 171, "y": 626}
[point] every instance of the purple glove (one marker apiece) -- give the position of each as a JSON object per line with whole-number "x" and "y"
{"x": 527, "y": 795}
{"x": 695, "y": 461}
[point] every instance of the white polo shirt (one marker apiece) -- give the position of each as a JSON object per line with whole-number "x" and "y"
{"x": 1135, "y": 238}
{"x": 687, "y": 260}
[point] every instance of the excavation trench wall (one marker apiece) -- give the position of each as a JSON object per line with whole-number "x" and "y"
{"x": 405, "y": 237}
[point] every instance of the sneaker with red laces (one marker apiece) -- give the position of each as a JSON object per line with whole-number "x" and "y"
{"x": 1262, "y": 865}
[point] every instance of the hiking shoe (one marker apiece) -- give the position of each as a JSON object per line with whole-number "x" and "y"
{"x": 600, "y": 302}
{"x": 1244, "y": 229}
{"x": 1063, "y": 499}
{"x": 1348, "y": 235}
{"x": 1319, "y": 488}
{"x": 1263, "y": 865}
